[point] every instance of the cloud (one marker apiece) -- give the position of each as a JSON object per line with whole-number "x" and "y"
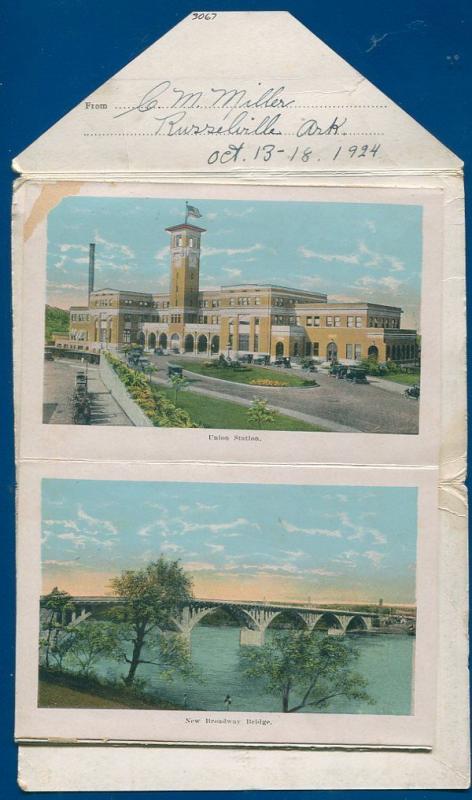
{"x": 215, "y": 548}
{"x": 374, "y": 557}
{"x": 162, "y": 254}
{"x": 232, "y": 272}
{"x": 350, "y": 258}
{"x": 198, "y": 566}
{"x": 112, "y": 249}
{"x": 369, "y": 285}
{"x": 217, "y": 527}
{"x": 53, "y": 562}
{"x": 205, "y": 507}
{"x": 287, "y": 526}
{"x": 229, "y": 212}
{"x": 232, "y": 251}
{"x": 169, "y": 547}
{"x": 363, "y": 257}
{"x": 64, "y": 523}
{"x": 100, "y": 523}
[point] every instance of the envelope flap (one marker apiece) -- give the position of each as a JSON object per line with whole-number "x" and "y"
{"x": 247, "y": 92}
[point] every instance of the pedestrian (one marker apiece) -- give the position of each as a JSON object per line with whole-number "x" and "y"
{"x": 185, "y": 700}
{"x": 228, "y": 702}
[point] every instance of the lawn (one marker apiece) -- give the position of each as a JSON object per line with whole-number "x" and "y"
{"x": 212, "y": 412}
{"x": 406, "y": 378}
{"x": 245, "y": 374}
{"x": 59, "y": 691}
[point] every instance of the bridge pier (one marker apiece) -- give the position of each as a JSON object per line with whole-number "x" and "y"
{"x": 251, "y": 638}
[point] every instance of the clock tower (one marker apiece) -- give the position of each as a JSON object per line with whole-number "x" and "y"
{"x": 185, "y": 270}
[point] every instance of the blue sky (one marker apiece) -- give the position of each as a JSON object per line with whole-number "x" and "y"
{"x": 239, "y": 541}
{"x": 349, "y": 250}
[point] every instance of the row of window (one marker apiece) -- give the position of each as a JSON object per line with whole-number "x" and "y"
{"x": 80, "y": 317}
{"x": 383, "y": 322}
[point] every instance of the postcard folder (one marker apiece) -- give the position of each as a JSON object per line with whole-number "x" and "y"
{"x": 254, "y": 102}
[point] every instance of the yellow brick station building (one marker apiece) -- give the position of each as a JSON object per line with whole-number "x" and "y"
{"x": 237, "y": 320}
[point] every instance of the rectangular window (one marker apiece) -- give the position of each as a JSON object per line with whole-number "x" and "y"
{"x": 257, "y": 301}
{"x": 337, "y": 322}
{"x": 316, "y": 322}
{"x": 316, "y": 348}
{"x": 349, "y": 351}
{"x": 329, "y": 322}
{"x": 309, "y": 321}
{"x": 358, "y": 322}
{"x": 357, "y": 352}
{"x": 350, "y": 322}
{"x": 243, "y": 341}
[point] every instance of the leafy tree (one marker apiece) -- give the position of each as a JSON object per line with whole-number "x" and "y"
{"x": 316, "y": 667}
{"x": 259, "y": 413}
{"x": 179, "y": 383}
{"x": 92, "y": 641}
{"x": 55, "y": 606}
{"x": 152, "y": 596}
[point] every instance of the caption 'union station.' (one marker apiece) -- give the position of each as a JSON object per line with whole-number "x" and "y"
{"x": 235, "y": 320}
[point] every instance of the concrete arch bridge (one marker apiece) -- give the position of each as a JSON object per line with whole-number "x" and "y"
{"x": 254, "y": 618}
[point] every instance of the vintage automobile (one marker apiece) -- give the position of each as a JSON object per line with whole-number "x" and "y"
{"x": 261, "y": 361}
{"x": 412, "y": 391}
{"x": 48, "y": 356}
{"x": 283, "y": 362}
{"x": 338, "y": 371}
{"x": 356, "y": 375}
{"x": 246, "y": 359}
{"x": 159, "y": 351}
{"x": 174, "y": 370}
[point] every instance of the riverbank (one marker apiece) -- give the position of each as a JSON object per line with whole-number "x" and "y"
{"x": 66, "y": 690}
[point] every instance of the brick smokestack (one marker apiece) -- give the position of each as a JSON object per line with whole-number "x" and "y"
{"x": 91, "y": 275}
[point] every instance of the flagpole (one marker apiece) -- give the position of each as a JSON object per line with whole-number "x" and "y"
{"x": 186, "y": 212}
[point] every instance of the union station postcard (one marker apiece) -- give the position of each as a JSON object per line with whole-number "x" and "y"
{"x": 249, "y": 315}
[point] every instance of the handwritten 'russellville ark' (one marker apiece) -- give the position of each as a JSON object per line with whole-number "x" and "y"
{"x": 178, "y": 112}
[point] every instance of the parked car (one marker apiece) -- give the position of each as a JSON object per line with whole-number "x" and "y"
{"x": 173, "y": 369}
{"x": 413, "y": 391}
{"x": 247, "y": 359}
{"x": 159, "y": 351}
{"x": 261, "y": 361}
{"x": 48, "y": 356}
{"x": 356, "y": 375}
{"x": 283, "y": 362}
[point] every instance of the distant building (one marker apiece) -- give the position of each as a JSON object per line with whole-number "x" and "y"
{"x": 249, "y": 318}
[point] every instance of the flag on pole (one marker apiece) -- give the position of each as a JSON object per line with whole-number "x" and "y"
{"x": 192, "y": 211}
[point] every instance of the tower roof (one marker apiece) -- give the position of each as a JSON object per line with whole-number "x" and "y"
{"x": 184, "y": 226}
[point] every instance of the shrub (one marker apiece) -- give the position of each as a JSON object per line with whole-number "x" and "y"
{"x": 162, "y": 412}
{"x": 267, "y": 382}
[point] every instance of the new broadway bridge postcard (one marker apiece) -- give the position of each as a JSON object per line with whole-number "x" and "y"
{"x": 233, "y": 314}
{"x": 176, "y": 596}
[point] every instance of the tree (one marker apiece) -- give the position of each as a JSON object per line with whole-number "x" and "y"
{"x": 151, "y": 597}
{"x": 179, "y": 383}
{"x": 55, "y": 606}
{"x": 92, "y": 641}
{"x": 317, "y": 667}
{"x": 260, "y": 414}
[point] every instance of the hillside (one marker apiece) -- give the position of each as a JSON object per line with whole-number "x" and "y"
{"x": 57, "y": 321}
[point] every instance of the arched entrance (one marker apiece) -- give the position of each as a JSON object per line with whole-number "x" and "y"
{"x": 279, "y": 349}
{"x": 163, "y": 341}
{"x": 215, "y": 344}
{"x": 202, "y": 344}
{"x": 332, "y": 352}
{"x": 175, "y": 342}
{"x": 373, "y": 352}
{"x": 296, "y": 349}
{"x": 189, "y": 343}
{"x": 152, "y": 341}
{"x": 141, "y": 339}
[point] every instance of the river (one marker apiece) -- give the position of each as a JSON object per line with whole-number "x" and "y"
{"x": 385, "y": 660}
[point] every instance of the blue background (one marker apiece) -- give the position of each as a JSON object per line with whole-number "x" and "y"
{"x": 56, "y": 52}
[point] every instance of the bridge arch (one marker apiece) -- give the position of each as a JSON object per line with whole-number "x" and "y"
{"x": 287, "y": 618}
{"x": 328, "y": 620}
{"x": 356, "y": 623}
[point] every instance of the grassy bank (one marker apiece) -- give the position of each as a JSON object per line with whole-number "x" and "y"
{"x": 406, "y": 378}
{"x": 65, "y": 690}
{"x": 209, "y": 412}
{"x": 246, "y": 374}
